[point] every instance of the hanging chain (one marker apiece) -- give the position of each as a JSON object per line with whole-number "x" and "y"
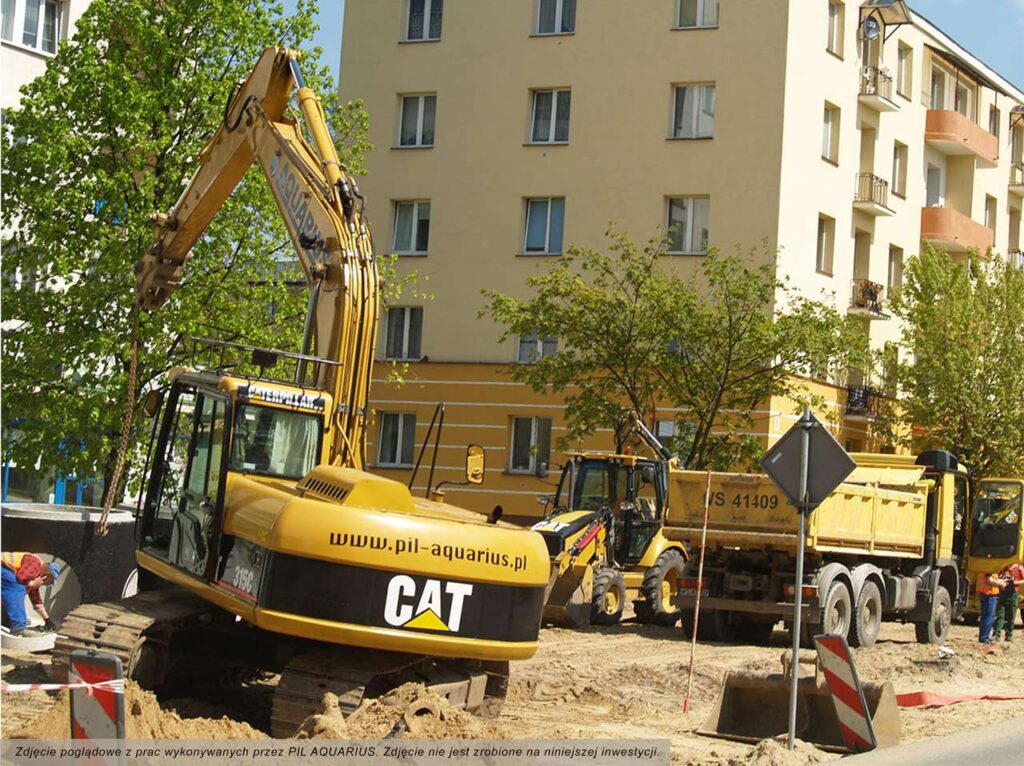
{"x": 122, "y": 447}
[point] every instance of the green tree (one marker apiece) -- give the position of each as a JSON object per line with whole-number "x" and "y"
{"x": 962, "y": 373}
{"x": 107, "y": 136}
{"x": 634, "y": 333}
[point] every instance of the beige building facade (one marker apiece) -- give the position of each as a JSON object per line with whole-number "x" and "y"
{"x": 506, "y": 131}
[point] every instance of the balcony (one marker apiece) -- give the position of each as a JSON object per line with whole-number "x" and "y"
{"x": 871, "y": 195}
{"x": 863, "y": 403}
{"x": 1017, "y": 178}
{"x": 876, "y": 90}
{"x": 952, "y": 133}
{"x": 866, "y": 300}
{"x": 955, "y": 231}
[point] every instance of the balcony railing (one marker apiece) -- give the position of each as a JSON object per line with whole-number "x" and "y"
{"x": 952, "y": 133}
{"x": 863, "y": 402}
{"x": 1017, "y": 177}
{"x": 876, "y": 89}
{"x": 1016, "y": 258}
{"x": 867, "y": 298}
{"x": 872, "y": 190}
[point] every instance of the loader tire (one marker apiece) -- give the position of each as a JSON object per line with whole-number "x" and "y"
{"x": 867, "y": 616}
{"x": 935, "y": 629}
{"x": 609, "y": 597}
{"x": 659, "y": 588}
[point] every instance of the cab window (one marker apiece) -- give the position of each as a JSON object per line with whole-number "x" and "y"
{"x": 275, "y": 442}
{"x": 997, "y": 515}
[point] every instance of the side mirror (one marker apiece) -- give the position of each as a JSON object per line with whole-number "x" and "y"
{"x": 542, "y": 469}
{"x": 475, "y": 462}
{"x": 152, "y": 403}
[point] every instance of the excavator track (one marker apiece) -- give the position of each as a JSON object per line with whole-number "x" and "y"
{"x": 124, "y": 628}
{"x": 354, "y": 675}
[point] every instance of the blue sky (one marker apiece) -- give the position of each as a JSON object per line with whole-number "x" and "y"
{"x": 993, "y": 30}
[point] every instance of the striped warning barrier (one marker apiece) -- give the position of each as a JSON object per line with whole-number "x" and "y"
{"x": 97, "y": 709}
{"x": 115, "y": 685}
{"x": 847, "y": 693}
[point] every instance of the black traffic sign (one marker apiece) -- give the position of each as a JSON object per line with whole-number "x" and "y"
{"x": 828, "y": 464}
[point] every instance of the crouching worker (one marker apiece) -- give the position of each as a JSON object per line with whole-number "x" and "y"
{"x": 1006, "y": 602}
{"x": 24, "y": 574}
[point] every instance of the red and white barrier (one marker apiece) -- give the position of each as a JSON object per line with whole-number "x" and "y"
{"x": 847, "y": 693}
{"x": 96, "y": 680}
{"x": 115, "y": 685}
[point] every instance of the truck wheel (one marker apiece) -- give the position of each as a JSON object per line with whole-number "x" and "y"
{"x": 754, "y": 632}
{"x": 705, "y": 631}
{"x": 609, "y": 597}
{"x": 836, "y": 616}
{"x": 659, "y": 588}
{"x": 935, "y": 629}
{"x": 867, "y": 616}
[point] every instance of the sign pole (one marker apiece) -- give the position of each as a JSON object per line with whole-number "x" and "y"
{"x": 806, "y": 424}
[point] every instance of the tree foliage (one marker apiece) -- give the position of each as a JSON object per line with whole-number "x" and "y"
{"x": 962, "y": 376}
{"x": 107, "y": 136}
{"x": 633, "y": 333}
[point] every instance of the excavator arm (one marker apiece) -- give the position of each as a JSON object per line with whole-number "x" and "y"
{"x": 323, "y": 214}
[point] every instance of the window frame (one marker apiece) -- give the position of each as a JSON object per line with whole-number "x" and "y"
{"x": 687, "y": 233}
{"x": 547, "y": 232}
{"x": 407, "y": 314}
{"x": 905, "y": 70}
{"x": 403, "y": 417}
{"x": 991, "y": 213}
{"x": 17, "y": 19}
{"x": 413, "y": 234}
{"x": 836, "y": 28}
{"x": 420, "y": 112}
{"x": 900, "y": 158}
{"x": 831, "y": 121}
{"x": 538, "y": 343}
{"x": 534, "y": 443}
{"x": 825, "y": 240}
{"x": 995, "y": 118}
{"x": 894, "y": 273}
{"x": 700, "y": 88}
{"x": 553, "y": 117}
{"x": 559, "y": 11}
{"x": 428, "y": 6}
{"x": 702, "y": 6}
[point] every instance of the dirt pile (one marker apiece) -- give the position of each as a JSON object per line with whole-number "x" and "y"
{"x": 144, "y": 719}
{"x": 387, "y": 716}
{"x": 771, "y": 752}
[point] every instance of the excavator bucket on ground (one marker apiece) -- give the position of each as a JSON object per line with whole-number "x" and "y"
{"x": 753, "y": 707}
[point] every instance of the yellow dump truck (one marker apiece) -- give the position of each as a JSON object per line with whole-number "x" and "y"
{"x": 884, "y": 545}
{"x": 996, "y": 536}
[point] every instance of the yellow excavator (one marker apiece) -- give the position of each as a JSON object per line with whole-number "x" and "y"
{"x": 262, "y": 542}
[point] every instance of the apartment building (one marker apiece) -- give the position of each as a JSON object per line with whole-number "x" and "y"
{"x": 842, "y": 133}
{"x": 30, "y": 33}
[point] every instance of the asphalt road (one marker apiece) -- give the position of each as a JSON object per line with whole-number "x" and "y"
{"x": 998, "y": 744}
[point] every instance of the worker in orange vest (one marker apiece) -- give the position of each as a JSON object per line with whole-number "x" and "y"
{"x": 24, "y": 574}
{"x": 988, "y": 586}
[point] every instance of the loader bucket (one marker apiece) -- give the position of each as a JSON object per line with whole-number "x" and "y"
{"x": 568, "y": 602}
{"x": 753, "y": 707}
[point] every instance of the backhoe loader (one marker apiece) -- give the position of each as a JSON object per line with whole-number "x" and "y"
{"x": 604, "y": 536}
{"x": 257, "y": 506}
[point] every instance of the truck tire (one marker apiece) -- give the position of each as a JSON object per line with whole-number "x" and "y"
{"x": 609, "y": 597}
{"x": 658, "y": 589}
{"x": 867, "y": 616}
{"x": 837, "y": 614}
{"x": 754, "y": 632}
{"x": 935, "y": 629}
{"x": 705, "y": 631}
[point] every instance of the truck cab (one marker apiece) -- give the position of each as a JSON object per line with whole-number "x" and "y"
{"x": 996, "y": 532}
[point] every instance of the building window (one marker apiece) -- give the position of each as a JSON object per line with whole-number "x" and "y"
{"x": 397, "y": 438}
{"x": 404, "y": 332}
{"x": 991, "y": 211}
{"x": 556, "y": 17}
{"x": 533, "y": 347}
{"x": 545, "y": 221}
{"x": 424, "y": 20}
{"x": 895, "y": 280}
{"x": 32, "y": 23}
{"x": 826, "y": 244}
{"x": 531, "y": 444}
{"x": 412, "y": 228}
{"x": 694, "y": 111}
{"x": 417, "y": 123}
{"x": 696, "y": 14}
{"x": 900, "y": 153}
{"x": 905, "y": 71}
{"x": 938, "y": 93}
{"x": 993, "y": 121}
{"x": 836, "y": 14}
{"x": 964, "y": 101}
{"x": 688, "y": 224}
{"x": 550, "y": 123}
{"x": 830, "y": 134}
{"x": 933, "y": 187}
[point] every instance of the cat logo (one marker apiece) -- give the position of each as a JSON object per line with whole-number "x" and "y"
{"x": 404, "y": 608}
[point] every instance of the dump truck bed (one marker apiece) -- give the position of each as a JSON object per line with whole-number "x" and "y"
{"x": 749, "y": 511}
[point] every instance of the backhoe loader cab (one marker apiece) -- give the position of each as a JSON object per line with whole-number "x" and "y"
{"x": 604, "y": 537}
